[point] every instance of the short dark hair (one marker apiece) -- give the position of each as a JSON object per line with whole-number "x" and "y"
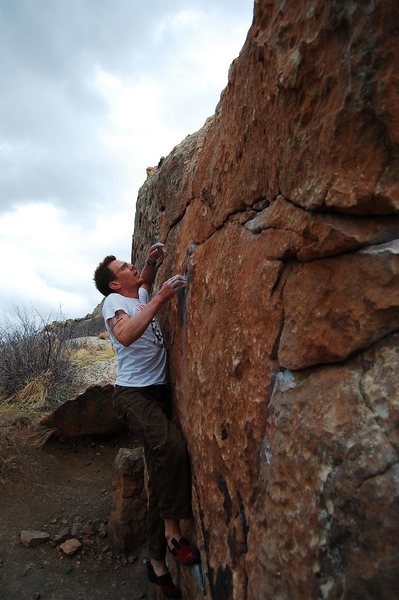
{"x": 103, "y": 275}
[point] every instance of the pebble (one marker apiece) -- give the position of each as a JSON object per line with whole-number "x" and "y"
{"x": 132, "y": 559}
{"x": 54, "y": 521}
{"x": 70, "y": 546}
{"x": 61, "y": 536}
{"x": 27, "y": 569}
{"x": 102, "y": 530}
{"x": 75, "y": 529}
{"x": 87, "y": 528}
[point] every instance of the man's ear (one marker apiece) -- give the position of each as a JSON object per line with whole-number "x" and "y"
{"x": 114, "y": 285}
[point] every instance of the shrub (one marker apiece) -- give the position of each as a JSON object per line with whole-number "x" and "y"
{"x": 32, "y": 353}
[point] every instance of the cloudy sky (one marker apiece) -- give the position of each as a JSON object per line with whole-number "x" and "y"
{"x": 93, "y": 92}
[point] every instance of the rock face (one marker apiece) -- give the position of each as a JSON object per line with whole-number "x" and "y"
{"x": 283, "y": 212}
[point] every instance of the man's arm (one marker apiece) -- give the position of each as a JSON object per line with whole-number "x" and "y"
{"x": 155, "y": 253}
{"x": 128, "y": 329}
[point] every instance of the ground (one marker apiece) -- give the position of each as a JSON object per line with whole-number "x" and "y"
{"x": 64, "y": 483}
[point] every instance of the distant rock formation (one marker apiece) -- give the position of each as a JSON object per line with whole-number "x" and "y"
{"x": 91, "y": 324}
{"x": 283, "y": 212}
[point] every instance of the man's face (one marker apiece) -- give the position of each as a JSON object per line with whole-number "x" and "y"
{"x": 125, "y": 274}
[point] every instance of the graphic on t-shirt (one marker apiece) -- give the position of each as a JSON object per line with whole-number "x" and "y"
{"x": 158, "y": 338}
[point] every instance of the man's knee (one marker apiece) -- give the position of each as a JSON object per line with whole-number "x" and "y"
{"x": 173, "y": 446}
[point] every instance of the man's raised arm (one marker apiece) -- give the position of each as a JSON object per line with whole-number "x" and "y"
{"x": 128, "y": 329}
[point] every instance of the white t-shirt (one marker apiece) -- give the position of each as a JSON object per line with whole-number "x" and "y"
{"x": 144, "y": 361}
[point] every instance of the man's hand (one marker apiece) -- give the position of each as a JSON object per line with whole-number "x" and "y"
{"x": 171, "y": 287}
{"x": 155, "y": 253}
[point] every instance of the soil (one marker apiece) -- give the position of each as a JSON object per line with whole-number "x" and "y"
{"x": 65, "y": 483}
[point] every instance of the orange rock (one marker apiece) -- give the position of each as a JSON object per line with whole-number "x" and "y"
{"x": 335, "y": 307}
{"x": 70, "y": 547}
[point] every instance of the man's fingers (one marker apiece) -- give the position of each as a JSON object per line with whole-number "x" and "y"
{"x": 159, "y": 248}
{"x": 157, "y": 252}
{"x": 177, "y": 281}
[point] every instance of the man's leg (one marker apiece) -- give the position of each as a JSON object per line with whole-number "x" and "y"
{"x": 167, "y": 462}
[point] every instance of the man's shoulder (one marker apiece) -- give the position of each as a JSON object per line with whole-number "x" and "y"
{"x": 112, "y": 298}
{"x": 116, "y": 301}
{"x": 143, "y": 295}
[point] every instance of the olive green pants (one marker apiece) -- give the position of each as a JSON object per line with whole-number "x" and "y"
{"x": 147, "y": 411}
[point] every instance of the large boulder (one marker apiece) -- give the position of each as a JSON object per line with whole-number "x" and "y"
{"x": 283, "y": 212}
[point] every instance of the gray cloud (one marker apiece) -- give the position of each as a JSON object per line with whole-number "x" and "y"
{"x": 49, "y": 110}
{"x": 59, "y": 141}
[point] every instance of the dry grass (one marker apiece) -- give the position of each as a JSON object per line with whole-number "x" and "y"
{"x": 104, "y": 335}
{"x": 27, "y": 403}
{"x": 87, "y": 355}
{"x": 21, "y": 411}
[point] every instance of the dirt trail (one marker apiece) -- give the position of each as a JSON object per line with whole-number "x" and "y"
{"x": 57, "y": 486}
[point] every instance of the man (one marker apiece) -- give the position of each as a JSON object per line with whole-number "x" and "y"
{"x": 141, "y": 397}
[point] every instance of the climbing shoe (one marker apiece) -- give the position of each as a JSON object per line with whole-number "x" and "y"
{"x": 184, "y": 552}
{"x": 165, "y": 582}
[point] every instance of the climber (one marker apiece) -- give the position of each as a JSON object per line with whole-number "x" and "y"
{"x": 141, "y": 397}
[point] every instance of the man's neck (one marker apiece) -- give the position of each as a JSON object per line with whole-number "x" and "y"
{"x": 129, "y": 293}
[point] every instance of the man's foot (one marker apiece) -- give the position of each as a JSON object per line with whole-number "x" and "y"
{"x": 184, "y": 552}
{"x": 165, "y": 582}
